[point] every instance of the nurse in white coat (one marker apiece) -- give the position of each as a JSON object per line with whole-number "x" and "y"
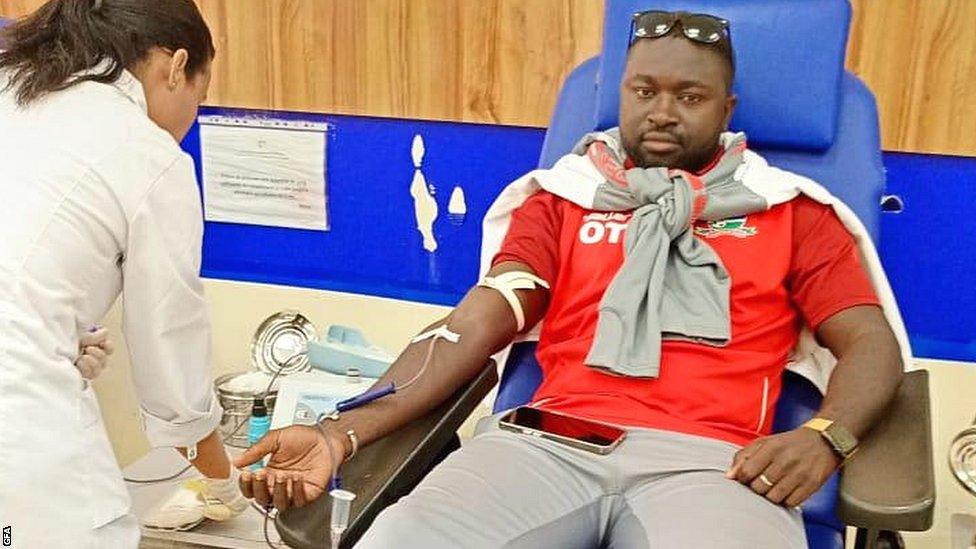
{"x": 98, "y": 199}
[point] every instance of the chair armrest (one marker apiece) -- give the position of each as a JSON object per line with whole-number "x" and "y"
{"x": 890, "y": 483}
{"x": 387, "y": 469}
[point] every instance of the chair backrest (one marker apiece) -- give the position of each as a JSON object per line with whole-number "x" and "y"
{"x": 788, "y": 90}
{"x": 798, "y": 107}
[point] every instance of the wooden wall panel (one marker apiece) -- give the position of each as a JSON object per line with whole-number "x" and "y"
{"x": 503, "y": 61}
{"x": 919, "y": 57}
{"x": 494, "y": 61}
{"x": 16, "y": 8}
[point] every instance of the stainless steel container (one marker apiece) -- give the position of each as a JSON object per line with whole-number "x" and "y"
{"x": 278, "y": 347}
{"x": 279, "y": 344}
{"x": 237, "y": 409}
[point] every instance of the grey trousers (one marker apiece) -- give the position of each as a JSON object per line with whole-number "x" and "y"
{"x": 656, "y": 490}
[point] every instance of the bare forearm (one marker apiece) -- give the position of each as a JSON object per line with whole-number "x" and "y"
{"x": 867, "y": 375}
{"x": 486, "y": 324}
{"x": 866, "y": 378}
{"x": 452, "y": 365}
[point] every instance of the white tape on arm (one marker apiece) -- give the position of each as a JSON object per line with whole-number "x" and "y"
{"x": 440, "y": 332}
{"x": 507, "y": 283}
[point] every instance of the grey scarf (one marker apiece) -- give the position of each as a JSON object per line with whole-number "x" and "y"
{"x": 671, "y": 285}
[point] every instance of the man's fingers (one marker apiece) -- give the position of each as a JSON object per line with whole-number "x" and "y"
{"x": 741, "y": 456}
{"x": 263, "y": 447}
{"x": 755, "y": 464}
{"x": 762, "y": 484}
{"x": 784, "y": 487}
{"x": 801, "y": 494}
{"x": 280, "y": 493}
{"x": 298, "y": 491}
{"x": 737, "y": 462}
{"x": 313, "y": 491}
{"x": 260, "y": 485}
{"x": 244, "y": 481}
{"x": 769, "y": 476}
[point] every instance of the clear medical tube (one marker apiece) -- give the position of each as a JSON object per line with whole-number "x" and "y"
{"x": 341, "y": 503}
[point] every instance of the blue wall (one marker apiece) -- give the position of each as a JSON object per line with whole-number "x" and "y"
{"x": 929, "y": 251}
{"x": 373, "y": 246}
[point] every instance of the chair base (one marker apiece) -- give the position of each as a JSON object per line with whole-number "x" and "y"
{"x": 878, "y": 539}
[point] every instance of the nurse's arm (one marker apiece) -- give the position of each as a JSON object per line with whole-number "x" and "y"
{"x": 165, "y": 317}
{"x": 211, "y": 458}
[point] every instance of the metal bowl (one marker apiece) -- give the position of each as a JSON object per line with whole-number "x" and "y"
{"x": 237, "y": 409}
{"x": 279, "y": 343}
{"x": 962, "y": 458}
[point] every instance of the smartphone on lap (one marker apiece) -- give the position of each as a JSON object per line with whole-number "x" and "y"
{"x": 584, "y": 434}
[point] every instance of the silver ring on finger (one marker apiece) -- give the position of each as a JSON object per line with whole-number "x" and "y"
{"x": 763, "y": 479}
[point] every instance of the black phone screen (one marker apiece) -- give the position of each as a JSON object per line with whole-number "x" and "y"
{"x": 566, "y": 426}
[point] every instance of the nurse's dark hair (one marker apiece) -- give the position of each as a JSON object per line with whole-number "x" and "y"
{"x": 42, "y": 52}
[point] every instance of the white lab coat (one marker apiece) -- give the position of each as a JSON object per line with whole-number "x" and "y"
{"x": 95, "y": 199}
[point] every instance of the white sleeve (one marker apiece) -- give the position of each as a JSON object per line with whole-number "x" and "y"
{"x": 165, "y": 318}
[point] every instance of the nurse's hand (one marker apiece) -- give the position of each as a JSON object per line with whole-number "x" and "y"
{"x": 298, "y": 470}
{"x": 94, "y": 348}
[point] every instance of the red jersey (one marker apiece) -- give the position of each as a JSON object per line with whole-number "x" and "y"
{"x": 791, "y": 264}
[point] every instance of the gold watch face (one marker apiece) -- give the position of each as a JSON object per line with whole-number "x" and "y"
{"x": 841, "y": 439}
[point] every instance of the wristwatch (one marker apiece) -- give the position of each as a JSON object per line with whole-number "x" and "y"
{"x": 840, "y": 439}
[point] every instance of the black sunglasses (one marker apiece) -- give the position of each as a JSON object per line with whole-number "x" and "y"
{"x": 700, "y": 27}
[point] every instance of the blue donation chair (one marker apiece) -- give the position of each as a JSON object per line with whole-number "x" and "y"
{"x": 804, "y": 113}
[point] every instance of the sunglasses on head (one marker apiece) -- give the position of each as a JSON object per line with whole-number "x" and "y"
{"x": 699, "y": 27}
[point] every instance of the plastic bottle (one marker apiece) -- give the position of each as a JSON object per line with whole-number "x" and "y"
{"x": 258, "y": 427}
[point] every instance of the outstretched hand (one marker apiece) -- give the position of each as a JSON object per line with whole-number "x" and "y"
{"x": 298, "y": 470}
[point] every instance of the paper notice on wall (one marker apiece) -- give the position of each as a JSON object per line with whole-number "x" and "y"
{"x": 264, "y": 172}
